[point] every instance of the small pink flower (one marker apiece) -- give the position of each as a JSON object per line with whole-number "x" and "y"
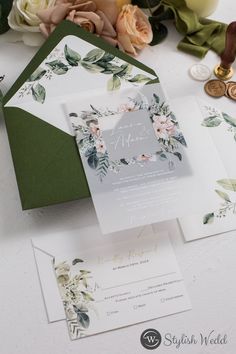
{"x": 94, "y": 129}
{"x": 127, "y": 107}
{"x": 164, "y": 127}
{"x": 100, "y": 146}
{"x": 144, "y": 157}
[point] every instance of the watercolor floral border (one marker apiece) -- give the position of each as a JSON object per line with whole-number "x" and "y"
{"x": 227, "y": 205}
{"x": 93, "y": 147}
{"x": 77, "y": 296}
{"x": 96, "y": 61}
{"x": 215, "y": 119}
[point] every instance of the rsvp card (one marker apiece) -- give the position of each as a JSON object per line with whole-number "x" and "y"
{"x": 142, "y": 167}
{"x": 120, "y": 284}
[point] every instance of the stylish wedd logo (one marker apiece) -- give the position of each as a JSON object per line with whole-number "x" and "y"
{"x": 150, "y": 339}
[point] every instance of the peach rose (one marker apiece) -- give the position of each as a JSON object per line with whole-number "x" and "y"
{"x": 95, "y": 16}
{"x": 133, "y": 29}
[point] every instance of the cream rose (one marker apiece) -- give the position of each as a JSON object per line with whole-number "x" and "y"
{"x": 203, "y": 8}
{"x": 133, "y": 29}
{"x": 23, "y": 16}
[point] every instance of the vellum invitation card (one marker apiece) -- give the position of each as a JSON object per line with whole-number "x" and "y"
{"x": 119, "y": 285}
{"x": 222, "y": 217}
{"x": 142, "y": 167}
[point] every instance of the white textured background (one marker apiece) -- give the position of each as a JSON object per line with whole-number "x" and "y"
{"x": 208, "y": 265}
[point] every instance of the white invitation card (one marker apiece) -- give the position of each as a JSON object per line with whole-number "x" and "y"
{"x": 120, "y": 284}
{"x": 143, "y": 165}
{"x": 222, "y": 217}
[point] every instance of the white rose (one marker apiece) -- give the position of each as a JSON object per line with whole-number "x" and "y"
{"x": 23, "y": 16}
{"x": 203, "y": 8}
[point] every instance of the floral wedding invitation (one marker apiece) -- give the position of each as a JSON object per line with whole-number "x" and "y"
{"x": 140, "y": 165}
{"x": 117, "y": 285}
{"x": 222, "y": 217}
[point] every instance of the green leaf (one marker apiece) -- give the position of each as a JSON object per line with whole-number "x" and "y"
{"x": 223, "y": 195}
{"x": 83, "y": 319}
{"x": 208, "y": 218}
{"x": 124, "y": 69}
{"x": 87, "y": 296}
{"x": 57, "y": 67}
{"x": 39, "y": 93}
{"x": 72, "y": 57}
{"x": 140, "y": 78}
{"x": 108, "y": 67}
{"x": 211, "y": 122}
{"x": 228, "y": 184}
{"x": 180, "y": 138}
{"x": 163, "y": 157}
{"x": 159, "y": 31}
{"x": 94, "y": 55}
{"x": 92, "y": 68}
{"x": 235, "y": 136}
{"x": 84, "y": 272}
{"x": 107, "y": 57}
{"x": 178, "y": 154}
{"x": 76, "y": 260}
{"x": 93, "y": 161}
{"x": 157, "y": 98}
{"x": 229, "y": 120}
{"x": 37, "y": 74}
{"x": 113, "y": 83}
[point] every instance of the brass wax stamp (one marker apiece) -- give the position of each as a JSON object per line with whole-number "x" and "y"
{"x": 224, "y": 70}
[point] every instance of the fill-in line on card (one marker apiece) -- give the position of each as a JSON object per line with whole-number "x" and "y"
{"x": 139, "y": 281}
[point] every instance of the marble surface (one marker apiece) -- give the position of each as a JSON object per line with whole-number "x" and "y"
{"x": 208, "y": 265}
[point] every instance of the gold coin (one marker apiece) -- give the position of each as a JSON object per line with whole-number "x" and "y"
{"x": 215, "y": 88}
{"x": 232, "y": 91}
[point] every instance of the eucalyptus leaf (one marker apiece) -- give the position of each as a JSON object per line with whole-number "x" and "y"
{"x": 77, "y": 260}
{"x": 223, "y": 195}
{"x": 140, "y": 78}
{"x": 38, "y": 93}
{"x": 113, "y": 83}
{"x": 37, "y": 74}
{"x": 92, "y": 68}
{"x": 228, "y": 184}
{"x": 125, "y": 69}
{"x": 229, "y": 120}
{"x": 72, "y": 57}
{"x": 210, "y": 122}
{"x": 83, "y": 319}
{"x": 84, "y": 272}
{"x": 57, "y": 67}
{"x": 107, "y": 57}
{"x": 94, "y": 55}
{"x": 208, "y": 218}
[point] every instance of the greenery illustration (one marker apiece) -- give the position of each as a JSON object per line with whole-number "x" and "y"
{"x": 93, "y": 147}
{"x": 96, "y": 61}
{"x": 76, "y": 295}
{"x": 227, "y": 205}
{"x": 216, "y": 118}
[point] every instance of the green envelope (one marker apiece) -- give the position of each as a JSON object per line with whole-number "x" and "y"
{"x": 46, "y": 159}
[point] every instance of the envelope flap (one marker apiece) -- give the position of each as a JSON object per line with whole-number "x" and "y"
{"x": 65, "y": 28}
{"x": 45, "y": 159}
